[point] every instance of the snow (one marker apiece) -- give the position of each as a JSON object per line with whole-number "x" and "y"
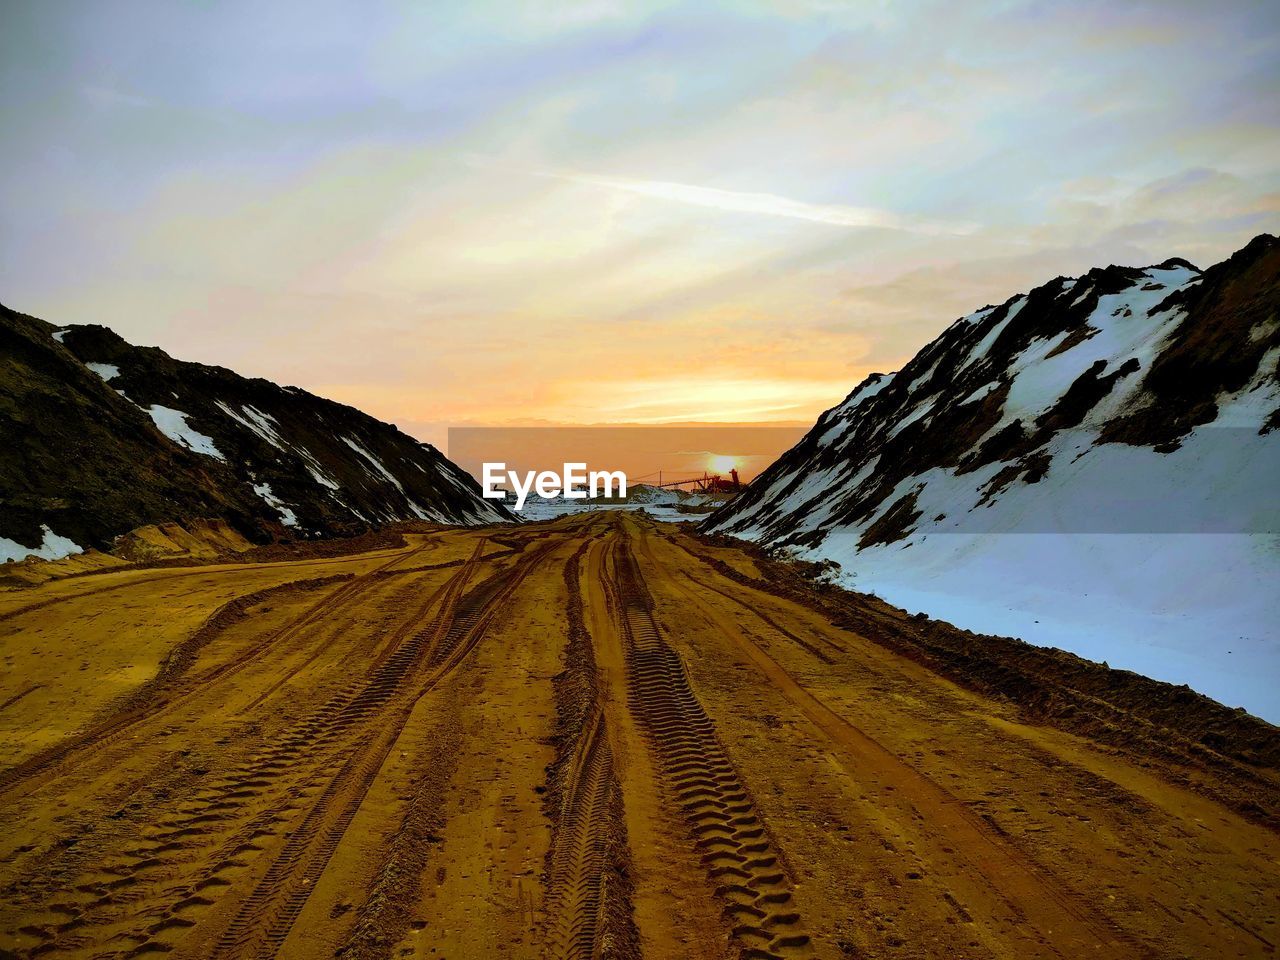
{"x": 287, "y": 516}
{"x": 60, "y": 335}
{"x": 319, "y": 476}
{"x": 1197, "y": 609}
{"x": 51, "y": 547}
{"x": 173, "y": 424}
{"x": 378, "y": 466}
{"x": 268, "y": 428}
{"x": 1161, "y": 563}
{"x": 106, "y": 371}
{"x": 255, "y": 420}
{"x": 920, "y": 411}
{"x": 865, "y": 392}
{"x": 976, "y": 317}
{"x": 983, "y": 347}
{"x": 374, "y": 462}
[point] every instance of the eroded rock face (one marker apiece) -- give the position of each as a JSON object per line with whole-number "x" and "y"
{"x": 101, "y": 436}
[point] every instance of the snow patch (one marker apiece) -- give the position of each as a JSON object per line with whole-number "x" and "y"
{"x": 173, "y": 424}
{"x": 107, "y": 371}
{"x": 287, "y": 516}
{"x": 51, "y": 547}
{"x": 374, "y": 462}
{"x": 264, "y": 425}
{"x": 984, "y": 345}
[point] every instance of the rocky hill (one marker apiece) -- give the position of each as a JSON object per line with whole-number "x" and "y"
{"x": 101, "y": 437}
{"x": 1123, "y": 424}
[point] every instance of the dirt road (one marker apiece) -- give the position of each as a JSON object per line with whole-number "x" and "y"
{"x": 596, "y": 737}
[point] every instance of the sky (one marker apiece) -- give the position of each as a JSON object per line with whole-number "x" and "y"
{"x": 514, "y": 213}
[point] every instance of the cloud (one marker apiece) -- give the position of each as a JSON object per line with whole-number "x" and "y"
{"x": 111, "y": 97}
{"x": 768, "y": 204}
{"x": 500, "y": 210}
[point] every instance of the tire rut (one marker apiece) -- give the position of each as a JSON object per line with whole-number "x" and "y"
{"x": 149, "y": 703}
{"x": 588, "y": 905}
{"x": 280, "y": 776}
{"x": 266, "y": 917}
{"x": 735, "y": 849}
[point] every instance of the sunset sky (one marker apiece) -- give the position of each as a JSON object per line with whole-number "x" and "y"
{"x": 511, "y": 212}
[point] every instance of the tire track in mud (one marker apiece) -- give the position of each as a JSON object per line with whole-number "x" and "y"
{"x": 1066, "y": 927}
{"x": 211, "y": 815}
{"x": 588, "y": 904}
{"x": 770, "y": 621}
{"x": 266, "y": 917}
{"x": 174, "y": 572}
{"x": 736, "y": 851}
{"x": 152, "y": 701}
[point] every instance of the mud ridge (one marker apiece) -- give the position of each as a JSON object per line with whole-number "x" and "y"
{"x": 588, "y": 872}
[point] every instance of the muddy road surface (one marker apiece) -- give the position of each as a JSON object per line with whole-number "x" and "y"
{"x": 597, "y": 737}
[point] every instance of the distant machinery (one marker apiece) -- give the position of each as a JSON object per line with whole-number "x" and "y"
{"x": 708, "y": 483}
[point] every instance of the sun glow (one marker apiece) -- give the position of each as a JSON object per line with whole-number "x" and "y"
{"x": 721, "y": 462}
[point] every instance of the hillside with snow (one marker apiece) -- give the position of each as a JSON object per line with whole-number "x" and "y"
{"x": 1092, "y": 465}
{"x": 101, "y": 437}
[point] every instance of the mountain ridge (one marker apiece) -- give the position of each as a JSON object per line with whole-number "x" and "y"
{"x": 106, "y": 436}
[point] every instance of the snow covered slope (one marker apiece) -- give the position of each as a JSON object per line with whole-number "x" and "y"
{"x": 1093, "y": 465}
{"x": 100, "y": 437}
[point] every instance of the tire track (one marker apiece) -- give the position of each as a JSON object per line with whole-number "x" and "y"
{"x": 1067, "y": 927}
{"x": 765, "y": 618}
{"x": 150, "y": 703}
{"x": 736, "y": 851}
{"x": 179, "y": 570}
{"x": 576, "y": 888}
{"x": 266, "y": 917}
{"x": 588, "y": 903}
{"x": 270, "y": 777}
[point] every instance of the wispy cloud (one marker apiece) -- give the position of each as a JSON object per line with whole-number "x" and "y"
{"x": 768, "y": 204}
{"x": 113, "y": 97}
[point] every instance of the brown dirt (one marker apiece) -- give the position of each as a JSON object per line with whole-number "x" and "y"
{"x": 597, "y": 737}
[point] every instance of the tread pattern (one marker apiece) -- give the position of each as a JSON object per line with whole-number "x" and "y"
{"x": 267, "y": 915}
{"x": 576, "y": 889}
{"x": 157, "y": 703}
{"x": 730, "y": 839}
